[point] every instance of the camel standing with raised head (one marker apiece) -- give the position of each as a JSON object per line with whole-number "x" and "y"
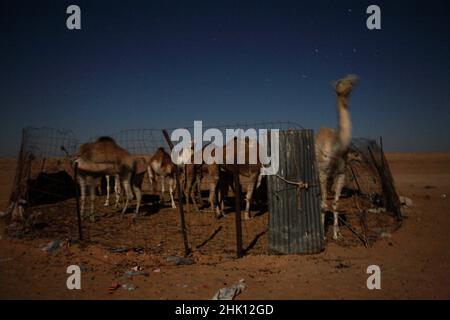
{"x": 332, "y": 148}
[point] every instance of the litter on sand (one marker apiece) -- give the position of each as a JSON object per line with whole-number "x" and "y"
{"x": 405, "y": 201}
{"x": 341, "y": 265}
{"x": 376, "y": 210}
{"x": 85, "y": 269}
{"x": 180, "y": 260}
{"x": 128, "y": 286}
{"x": 229, "y": 293}
{"x": 119, "y": 249}
{"x": 130, "y": 274}
{"x": 51, "y": 246}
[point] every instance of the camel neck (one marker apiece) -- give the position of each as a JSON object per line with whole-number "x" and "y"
{"x": 344, "y": 122}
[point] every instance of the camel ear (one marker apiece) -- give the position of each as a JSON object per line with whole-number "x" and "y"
{"x": 353, "y": 78}
{"x": 334, "y": 83}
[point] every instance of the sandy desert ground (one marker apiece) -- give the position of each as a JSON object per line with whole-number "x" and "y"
{"x": 414, "y": 261}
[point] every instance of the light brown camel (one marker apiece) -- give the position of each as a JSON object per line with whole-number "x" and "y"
{"x": 160, "y": 165}
{"x": 247, "y": 170}
{"x": 220, "y": 176}
{"x": 332, "y": 148}
{"x": 193, "y": 174}
{"x": 105, "y": 157}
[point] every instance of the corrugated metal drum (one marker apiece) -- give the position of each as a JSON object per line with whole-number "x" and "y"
{"x": 295, "y": 223}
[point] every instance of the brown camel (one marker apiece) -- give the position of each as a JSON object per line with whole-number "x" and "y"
{"x": 105, "y": 157}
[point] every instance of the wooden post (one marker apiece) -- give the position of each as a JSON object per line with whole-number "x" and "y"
{"x": 77, "y": 200}
{"x": 382, "y": 153}
{"x": 237, "y": 188}
{"x": 18, "y": 189}
{"x": 391, "y": 199}
{"x": 356, "y": 179}
{"x": 187, "y": 250}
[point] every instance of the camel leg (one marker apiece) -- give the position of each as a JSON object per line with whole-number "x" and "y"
{"x": 199, "y": 191}
{"x": 117, "y": 190}
{"x": 99, "y": 188}
{"x": 171, "y": 184}
{"x": 128, "y": 195}
{"x": 107, "y": 191}
{"x": 138, "y": 194}
{"x": 221, "y": 194}
{"x": 323, "y": 189}
{"x": 248, "y": 200}
{"x": 150, "y": 178}
{"x": 213, "y": 197}
{"x": 92, "y": 198}
{"x": 218, "y": 196}
{"x": 191, "y": 185}
{"x": 82, "y": 183}
{"x": 340, "y": 180}
{"x": 193, "y": 195}
{"x": 212, "y": 191}
{"x": 163, "y": 189}
{"x": 218, "y": 199}
{"x": 213, "y": 172}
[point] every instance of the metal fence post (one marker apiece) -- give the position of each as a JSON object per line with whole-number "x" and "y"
{"x": 77, "y": 200}
{"x": 237, "y": 188}
{"x": 187, "y": 250}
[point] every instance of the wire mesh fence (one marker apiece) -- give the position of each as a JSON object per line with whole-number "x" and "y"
{"x": 370, "y": 211}
{"x": 45, "y": 189}
{"x": 46, "y": 184}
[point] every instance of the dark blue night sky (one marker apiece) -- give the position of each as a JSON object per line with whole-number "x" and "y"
{"x": 144, "y": 64}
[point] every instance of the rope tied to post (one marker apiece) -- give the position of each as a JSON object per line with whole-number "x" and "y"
{"x": 299, "y": 184}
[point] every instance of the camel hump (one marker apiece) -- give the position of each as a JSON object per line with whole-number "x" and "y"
{"x": 85, "y": 151}
{"x": 345, "y": 85}
{"x": 106, "y": 139}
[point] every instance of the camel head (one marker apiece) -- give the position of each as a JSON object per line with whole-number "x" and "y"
{"x": 345, "y": 85}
